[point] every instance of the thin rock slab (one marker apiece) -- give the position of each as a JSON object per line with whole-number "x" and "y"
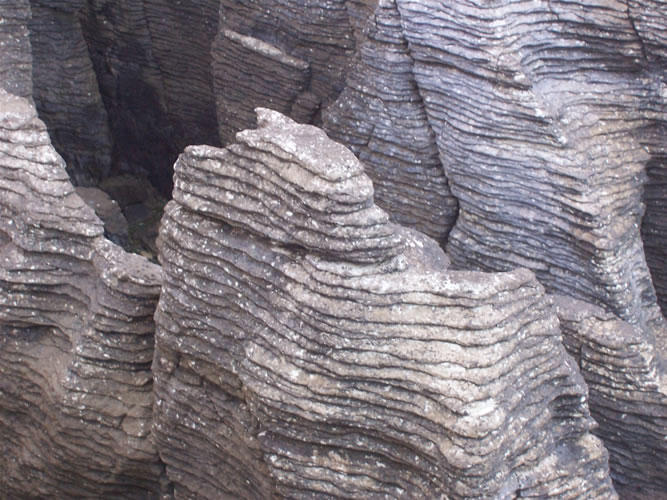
{"x": 307, "y": 346}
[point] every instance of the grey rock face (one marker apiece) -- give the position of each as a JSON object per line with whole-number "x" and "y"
{"x": 15, "y": 56}
{"x": 76, "y": 334}
{"x": 289, "y": 56}
{"x": 381, "y": 117}
{"x": 537, "y": 134}
{"x": 628, "y": 394}
{"x": 66, "y": 91}
{"x": 307, "y": 346}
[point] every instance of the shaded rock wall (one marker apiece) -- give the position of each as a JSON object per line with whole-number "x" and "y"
{"x": 66, "y": 91}
{"x": 306, "y": 346}
{"x": 289, "y": 56}
{"x": 76, "y": 334}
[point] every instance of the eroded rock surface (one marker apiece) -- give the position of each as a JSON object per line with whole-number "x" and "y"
{"x": 76, "y": 334}
{"x": 628, "y": 394}
{"x": 15, "y": 58}
{"x": 381, "y": 117}
{"x": 307, "y": 346}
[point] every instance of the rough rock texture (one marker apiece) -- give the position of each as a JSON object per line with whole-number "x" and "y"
{"x": 535, "y": 110}
{"x": 628, "y": 394}
{"x": 76, "y": 334}
{"x": 380, "y": 116}
{"x": 291, "y": 56}
{"x": 308, "y": 347}
{"x": 15, "y": 60}
{"x": 66, "y": 91}
{"x": 649, "y": 19}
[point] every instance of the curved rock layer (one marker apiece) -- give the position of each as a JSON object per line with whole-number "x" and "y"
{"x": 535, "y": 107}
{"x": 627, "y": 391}
{"x": 15, "y": 60}
{"x": 308, "y": 347}
{"x": 76, "y": 334}
{"x": 380, "y": 116}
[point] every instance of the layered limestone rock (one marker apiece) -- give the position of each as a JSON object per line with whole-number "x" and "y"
{"x": 627, "y": 386}
{"x": 537, "y": 133}
{"x": 291, "y": 56}
{"x": 380, "y": 116}
{"x": 307, "y": 346}
{"x": 15, "y": 59}
{"x": 76, "y": 334}
{"x": 66, "y": 91}
{"x": 649, "y": 19}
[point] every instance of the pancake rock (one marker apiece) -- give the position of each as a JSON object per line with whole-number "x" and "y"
{"x": 66, "y": 91}
{"x": 291, "y": 56}
{"x": 380, "y": 116}
{"x": 649, "y": 19}
{"x": 76, "y": 334}
{"x": 535, "y": 109}
{"x": 306, "y": 346}
{"x": 15, "y": 60}
{"x": 628, "y": 394}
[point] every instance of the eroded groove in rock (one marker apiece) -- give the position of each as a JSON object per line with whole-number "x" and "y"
{"x": 66, "y": 92}
{"x": 628, "y": 394}
{"x": 534, "y": 105}
{"x": 291, "y": 56}
{"x": 76, "y": 334}
{"x": 381, "y": 117}
{"x": 15, "y": 55}
{"x": 306, "y": 346}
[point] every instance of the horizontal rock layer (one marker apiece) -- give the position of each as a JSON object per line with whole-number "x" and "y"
{"x": 76, "y": 334}
{"x": 296, "y": 357}
{"x": 628, "y": 394}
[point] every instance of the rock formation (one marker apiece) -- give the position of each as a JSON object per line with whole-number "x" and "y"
{"x": 76, "y": 334}
{"x": 15, "y": 55}
{"x": 306, "y": 346}
{"x": 628, "y": 394}
{"x": 381, "y": 117}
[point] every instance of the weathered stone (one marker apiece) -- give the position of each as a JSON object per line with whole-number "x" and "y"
{"x": 627, "y": 386}
{"x": 66, "y": 91}
{"x": 291, "y": 56}
{"x": 76, "y": 334}
{"x": 15, "y": 55}
{"x": 381, "y": 117}
{"x": 307, "y": 346}
{"x": 109, "y": 212}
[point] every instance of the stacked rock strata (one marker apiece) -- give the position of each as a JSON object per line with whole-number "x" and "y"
{"x": 15, "y": 60}
{"x": 76, "y": 334}
{"x": 291, "y": 56}
{"x": 649, "y": 19}
{"x": 66, "y": 90}
{"x": 628, "y": 394}
{"x": 536, "y": 131}
{"x": 306, "y": 346}
{"x": 380, "y": 116}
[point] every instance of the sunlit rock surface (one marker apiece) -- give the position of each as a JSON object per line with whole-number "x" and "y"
{"x": 306, "y": 346}
{"x": 76, "y": 334}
